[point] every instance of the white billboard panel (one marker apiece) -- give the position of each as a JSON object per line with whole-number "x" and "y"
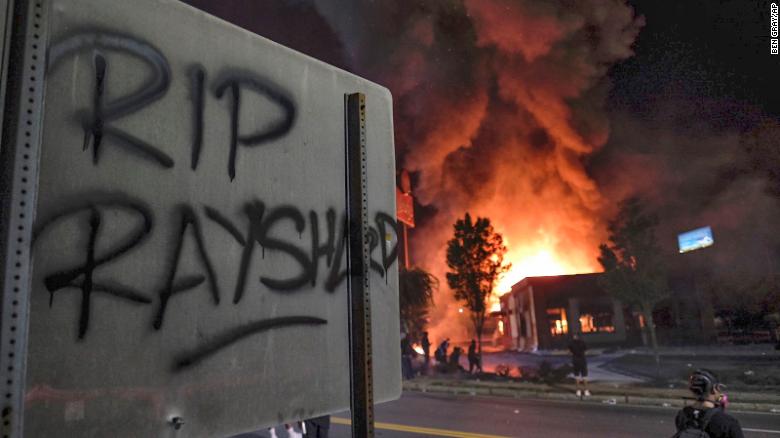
{"x": 695, "y": 239}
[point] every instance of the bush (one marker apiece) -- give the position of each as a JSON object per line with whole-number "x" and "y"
{"x": 549, "y": 374}
{"x": 545, "y": 370}
{"x": 561, "y": 374}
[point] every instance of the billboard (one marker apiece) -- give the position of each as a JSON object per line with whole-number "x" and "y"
{"x": 695, "y": 239}
{"x": 187, "y": 254}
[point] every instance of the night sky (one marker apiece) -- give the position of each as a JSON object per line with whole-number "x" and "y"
{"x": 700, "y": 68}
{"x": 701, "y": 73}
{"x": 692, "y": 50}
{"x": 711, "y": 51}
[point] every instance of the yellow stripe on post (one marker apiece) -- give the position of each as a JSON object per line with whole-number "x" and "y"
{"x": 422, "y": 430}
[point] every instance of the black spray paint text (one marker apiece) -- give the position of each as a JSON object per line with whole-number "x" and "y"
{"x": 257, "y": 230}
{"x": 96, "y": 121}
{"x": 250, "y": 229}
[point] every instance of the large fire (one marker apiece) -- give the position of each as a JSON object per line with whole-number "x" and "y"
{"x": 541, "y": 263}
{"x": 498, "y": 106}
{"x": 536, "y": 261}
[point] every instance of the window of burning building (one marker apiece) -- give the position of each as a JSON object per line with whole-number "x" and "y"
{"x": 556, "y": 318}
{"x": 597, "y": 318}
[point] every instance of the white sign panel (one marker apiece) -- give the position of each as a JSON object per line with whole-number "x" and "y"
{"x": 188, "y": 247}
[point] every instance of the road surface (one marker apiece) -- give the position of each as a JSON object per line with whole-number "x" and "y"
{"x": 424, "y": 415}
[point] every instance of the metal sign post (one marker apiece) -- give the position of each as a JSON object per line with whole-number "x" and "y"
{"x": 24, "y": 42}
{"x": 361, "y": 380}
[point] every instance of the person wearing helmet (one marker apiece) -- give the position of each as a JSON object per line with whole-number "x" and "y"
{"x": 706, "y": 417}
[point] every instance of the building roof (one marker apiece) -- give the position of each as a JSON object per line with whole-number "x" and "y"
{"x": 556, "y": 282}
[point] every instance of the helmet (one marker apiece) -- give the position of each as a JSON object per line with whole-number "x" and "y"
{"x": 702, "y": 383}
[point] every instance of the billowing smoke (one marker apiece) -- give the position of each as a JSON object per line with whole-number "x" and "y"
{"x": 694, "y": 171}
{"x": 497, "y": 104}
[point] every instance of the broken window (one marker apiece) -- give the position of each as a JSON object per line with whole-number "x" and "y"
{"x": 558, "y": 323}
{"x": 597, "y": 318}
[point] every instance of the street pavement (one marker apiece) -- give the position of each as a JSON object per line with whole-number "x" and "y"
{"x": 479, "y": 416}
{"x": 425, "y": 415}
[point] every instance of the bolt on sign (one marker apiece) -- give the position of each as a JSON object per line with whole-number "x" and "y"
{"x": 174, "y": 244}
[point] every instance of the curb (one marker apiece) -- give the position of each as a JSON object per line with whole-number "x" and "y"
{"x": 610, "y": 399}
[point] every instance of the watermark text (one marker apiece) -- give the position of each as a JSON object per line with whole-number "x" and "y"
{"x": 773, "y": 31}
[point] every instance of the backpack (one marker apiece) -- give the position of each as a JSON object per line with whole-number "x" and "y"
{"x": 695, "y": 428}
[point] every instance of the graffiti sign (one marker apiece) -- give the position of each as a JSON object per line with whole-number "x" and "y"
{"x": 189, "y": 241}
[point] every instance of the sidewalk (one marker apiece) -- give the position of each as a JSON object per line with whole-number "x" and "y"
{"x": 596, "y": 359}
{"x": 615, "y": 365}
{"x": 614, "y": 382}
{"x": 613, "y": 394}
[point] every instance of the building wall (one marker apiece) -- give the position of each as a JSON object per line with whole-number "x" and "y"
{"x": 531, "y": 326}
{"x": 521, "y": 331}
{"x": 685, "y": 318}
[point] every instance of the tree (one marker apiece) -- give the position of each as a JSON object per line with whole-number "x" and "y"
{"x": 634, "y": 269}
{"x": 746, "y": 300}
{"x": 475, "y": 256}
{"x": 415, "y": 295}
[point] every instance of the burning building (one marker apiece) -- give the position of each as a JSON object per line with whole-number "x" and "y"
{"x": 541, "y": 313}
{"x": 497, "y": 105}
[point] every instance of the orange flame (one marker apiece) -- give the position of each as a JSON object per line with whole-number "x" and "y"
{"x": 518, "y": 156}
{"x": 543, "y": 262}
{"x": 537, "y": 261}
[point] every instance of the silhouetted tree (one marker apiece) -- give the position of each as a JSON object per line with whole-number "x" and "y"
{"x": 415, "y": 295}
{"x": 634, "y": 268}
{"x": 475, "y": 256}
